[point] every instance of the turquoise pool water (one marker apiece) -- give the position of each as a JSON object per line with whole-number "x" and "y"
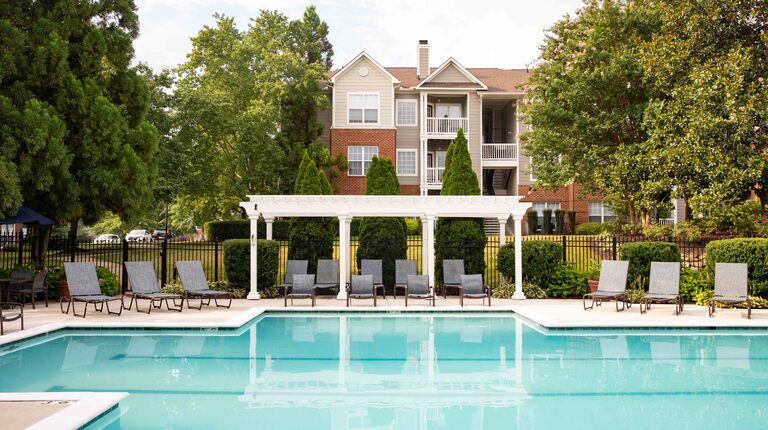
{"x": 407, "y": 371}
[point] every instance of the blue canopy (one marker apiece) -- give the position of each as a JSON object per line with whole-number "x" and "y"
{"x": 26, "y": 215}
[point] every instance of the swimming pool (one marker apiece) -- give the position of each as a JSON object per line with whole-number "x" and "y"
{"x": 405, "y": 371}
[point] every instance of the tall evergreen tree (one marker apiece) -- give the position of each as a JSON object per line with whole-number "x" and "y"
{"x": 383, "y": 238}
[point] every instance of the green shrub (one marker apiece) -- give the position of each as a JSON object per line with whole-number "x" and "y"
{"x": 237, "y": 265}
{"x": 559, "y": 221}
{"x": 641, "y": 254}
{"x": 533, "y": 222}
{"x": 540, "y": 260}
{"x": 566, "y": 282}
{"x": 687, "y": 230}
{"x": 737, "y": 219}
{"x": 692, "y": 282}
{"x": 413, "y": 226}
{"x": 703, "y": 298}
{"x": 591, "y": 228}
{"x": 546, "y": 225}
{"x": 754, "y": 252}
{"x": 506, "y": 290}
{"x": 657, "y": 232}
{"x": 628, "y": 229}
{"x": 173, "y": 287}
{"x": 107, "y": 281}
{"x": 224, "y": 230}
{"x": 571, "y": 222}
{"x": 237, "y": 293}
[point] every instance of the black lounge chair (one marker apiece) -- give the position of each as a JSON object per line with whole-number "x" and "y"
{"x": 361, "y": 287}
{"x": 731, "y": 286}
{"x": 144, "y": 285}
{"x": 403, "y": 268}
{"x": 10, "y": 312}
{"x": 452, "y": 271}
{"x": 472, "y": 288}
{"x": 327, "y": 275}
{"x": 31, "y": 288}
{"x": 664, "y": 287}
{"x": 417, "y": 287}
{"x": 303, "y": 287}
{"x": 373, "y": 267}
{"x": 83, "y": 284}
{"x": 611, "y": 286}
{"x": 195, "y": 285}
{"x": 292, "y": 267}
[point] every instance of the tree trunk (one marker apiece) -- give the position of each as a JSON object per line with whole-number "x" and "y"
{"x": 646, "y": 217}
{"x": 40, "y": 237}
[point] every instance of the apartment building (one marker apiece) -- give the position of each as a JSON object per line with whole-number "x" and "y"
{"x": 410, "y": 115}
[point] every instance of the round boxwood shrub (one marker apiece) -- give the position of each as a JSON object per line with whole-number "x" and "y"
{"x": 641, "y": 254}
{"x": 107, "y": 281}
{"x": 237, "y": 264}
{"x": 754, "y": 252}
{"x": 591, "y": 228}
{"x": 541, "y": 258}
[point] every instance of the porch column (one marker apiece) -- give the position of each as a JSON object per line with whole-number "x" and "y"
{"x": 269, "y": 222}
{"x": 344, "y": 224}
{"x": 502, "y": 231}
{"x": 423, "y": 165}
{"x": 253, "y": 294}
{"x": 518, "y": 219}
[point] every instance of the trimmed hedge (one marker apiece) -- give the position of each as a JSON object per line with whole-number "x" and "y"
{"x": 241, "y": 229}
{"x": 641, "y": 254}
{"x": 559, "y": 221}
{"x": 591, "y": 228}
{"x": 237, "y": 264}
{"x": 572, "y": 222}
{"x": 754, "y": 252}
{"x": 541, "y": 258}
{"x": 546, "y": 225}
{"x": 533, "y": 221}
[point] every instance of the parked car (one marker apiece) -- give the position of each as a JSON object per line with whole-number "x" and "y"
{"x": 161, "y": 233}
{"x": 107, "y": 238}
{"x": 138, "y": 236}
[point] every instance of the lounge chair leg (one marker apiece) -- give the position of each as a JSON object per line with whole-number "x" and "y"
{"x": 749, "y": 309}
{"x": 61, "y": 304}
{"x": 711, "y": 308}
{"x": 130, "y": 305}
{"x": 74, "y": 309}
{"x": 584, "y": 302}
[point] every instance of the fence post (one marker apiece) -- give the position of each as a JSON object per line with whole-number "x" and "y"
{"x": 164, "y": 260}
{"x": 125, "y": 271}
{"x": 72, "y": 246}
{"x": 615, "y": 256}
{"x": 565, "y": 258}
{"x": 21, "y": 248}
{"x": 216, "y": 260}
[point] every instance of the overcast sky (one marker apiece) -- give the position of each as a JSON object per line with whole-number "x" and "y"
{"x": 477, "y": 33}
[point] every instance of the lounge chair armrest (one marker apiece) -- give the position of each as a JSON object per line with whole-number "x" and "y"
{"x": 11, "y": 305}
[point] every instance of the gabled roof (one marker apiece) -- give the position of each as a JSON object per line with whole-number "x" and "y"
{"x": 347, "y": 67}
{"x": 451, "y": 61}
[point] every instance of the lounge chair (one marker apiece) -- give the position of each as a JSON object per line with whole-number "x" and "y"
{"x": 292, "y": 267}
{"x": 83, "y": 284}
{"x": 403, "y": 268}
{"x": 664, "y": 287}
{"x": 611, "y": 286}
{"x": 731, "y": 286}
{"x": 361, "y": 287}
{"x": 18, "y": 278}
{"x": 417, "y": 287}
{"x": 31, "y": 288}
{"x": 144, "y": 285}
{"x": 472, "y": 288}
{"x": 195, "y": 284}
{"x": 303, "y": 287}
{"x": 452, "y": 271}
{"x": 10, "y": 312}
{"x": 327, "y": 275}
{"x": 373, "y": 267}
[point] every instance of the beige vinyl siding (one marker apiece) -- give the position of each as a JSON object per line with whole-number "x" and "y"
{"x": 325, "y": 117}
{"x": 524, "y": 162}
{"x": 474, "y": 110}
{"x": 407, "y": 137}
{"x": 450, "y": 74}
{"x": 375, "y": 82}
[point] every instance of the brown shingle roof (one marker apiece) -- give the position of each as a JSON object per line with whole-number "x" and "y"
{"x": 497, "y": 80}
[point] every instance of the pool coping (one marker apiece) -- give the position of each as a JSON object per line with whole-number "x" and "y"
{"x": 86, "y": 407}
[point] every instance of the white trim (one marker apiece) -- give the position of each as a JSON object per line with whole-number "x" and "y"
{"x": 415, "y": 112}
{"x": 416, "y": 161}
{"x": 362, "y": 54}
{"x": 461, "y": 69}
{"x": 349, "y": 159}
{"x": 378, "y": 109}
{"x": 333, "y": 109}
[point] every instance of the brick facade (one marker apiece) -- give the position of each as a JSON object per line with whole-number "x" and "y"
{"x": 410, "y": 190}
{"x": 343, "y": 138}
{"x": 570, "y": 198}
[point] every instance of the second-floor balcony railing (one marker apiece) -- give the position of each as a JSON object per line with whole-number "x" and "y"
{"x": 499, "y": 152}
{"x": 446, "y": 126}
{"x": 435, "y": 175}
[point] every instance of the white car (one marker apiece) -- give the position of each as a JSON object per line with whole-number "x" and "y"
{"x": 107, "y": 238}
{"x": 138, "y": 236}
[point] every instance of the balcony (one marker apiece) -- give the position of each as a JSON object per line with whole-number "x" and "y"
{"x": 446, "y": 127}
{"x": 435, "y": 175}
{"x": 500, "y": 154}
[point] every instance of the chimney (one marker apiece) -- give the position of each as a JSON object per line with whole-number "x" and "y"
{"x": 422, "y": 63}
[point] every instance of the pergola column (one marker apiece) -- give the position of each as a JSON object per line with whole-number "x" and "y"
{"x": 253, "y": 294}
{"x": 269, "y": 222}
{"x": 428, "y": 248}
{"x": 518, "y": 219}
{"x": 344, "y": 226}
{"x": 502, "y": 231}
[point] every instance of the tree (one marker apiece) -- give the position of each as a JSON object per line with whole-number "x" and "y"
{"x": 383, "y": 238}
{"x": 311, "y": 238}
{"x": 707, "y": 126}
{"x": 75, "y": 136}
{"x": 460, "y": 238}
{"x": 586, "y": 100}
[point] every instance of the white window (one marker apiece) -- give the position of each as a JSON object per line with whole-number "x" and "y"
{"x": 599, "y": 212}
{"x": 539, "y": 208}
{"x": 360, "y": 159}
{"x": 406, "y": 162}
{"x": 406, "y": 112}
{"x": 363, "y": 108}
{"x": 445, "y": 110}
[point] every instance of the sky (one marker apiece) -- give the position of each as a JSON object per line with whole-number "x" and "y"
{"x": 477, "y": 33}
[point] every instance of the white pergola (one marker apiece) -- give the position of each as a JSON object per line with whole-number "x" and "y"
{"x": 428, "y": 208}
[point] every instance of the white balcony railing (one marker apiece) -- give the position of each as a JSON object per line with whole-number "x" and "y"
{"x": 446, "y": 126}
{"x": 500, "y": 152}
{"x": 435, "y": 175}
